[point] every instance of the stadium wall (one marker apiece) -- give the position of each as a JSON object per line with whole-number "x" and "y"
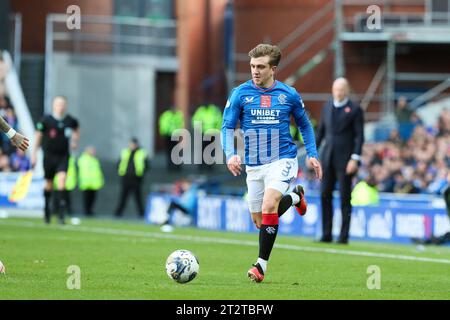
{"x": 34, "y": 15}
{"x": 396, "y": 219}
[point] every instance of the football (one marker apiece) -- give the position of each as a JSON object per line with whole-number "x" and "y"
{"x": 182, "y": 266}
{"x": 2, "y": 268}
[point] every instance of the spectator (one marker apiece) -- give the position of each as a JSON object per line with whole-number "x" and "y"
{"x": 365, "y": 193}
{"x": 403, "y": 115}
{"x": 3, "y": 72}
{"x": 394, "y": 137}
{"x": 90, "y": 179}
{"x": 417, "y": 165}
{"x": 10, "y": 118}
{"x": 170, "y": 122}
{"x": 445, "y": 238}
{"x": 402, "y": 110}
{"x": 4, "y": 163}
{"x": 132, "y": 167}
{"x": 186, "y": 203}
{"x": 19, "y": 161}
{"x": 4, "y": 104}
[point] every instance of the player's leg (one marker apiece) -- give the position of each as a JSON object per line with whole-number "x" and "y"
{"x": 277, "y": 178}
{"x": 295, "y": 198}
{"x": 48, "y": 188}
{"x": 255, "y": 196}
{"x": 61, "y": 195}
{"x": 172, "y": 207}
{"x": 269, "y": 225}
{"x": 49, "y": 174}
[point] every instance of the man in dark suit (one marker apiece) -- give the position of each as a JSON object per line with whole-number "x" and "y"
{"x": 342, "y": 127}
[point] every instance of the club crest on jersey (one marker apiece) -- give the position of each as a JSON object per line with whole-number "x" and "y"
{"x": 270, "y": 230}
{"x": 265, "y": 102}
{"x": 282, "y": 98}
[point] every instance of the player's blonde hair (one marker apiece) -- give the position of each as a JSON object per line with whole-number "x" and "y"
{"x": 262, "y": 50}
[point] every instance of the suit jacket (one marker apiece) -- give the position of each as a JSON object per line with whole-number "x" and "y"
{"x": 343, "y": 135}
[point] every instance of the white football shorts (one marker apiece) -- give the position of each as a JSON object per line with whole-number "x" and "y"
{"x": 277, "y": 175}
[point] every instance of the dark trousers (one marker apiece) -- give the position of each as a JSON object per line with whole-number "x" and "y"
{"x": 330, "y": 176}
{"x": 447, "y": 200}
{"x": 173, "y": 205}
{"x": 204, "y": 166}
{"x": 169, "y": 146}
{"x": 130, "y": 185}
{"x": 89, "y": 197}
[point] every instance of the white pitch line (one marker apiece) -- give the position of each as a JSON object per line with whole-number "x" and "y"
{"x": 123, "y": 232}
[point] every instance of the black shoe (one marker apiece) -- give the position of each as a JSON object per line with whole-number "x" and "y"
{"x": 342, "y": 241}
{"x": 326, "y": 240}
{"x": 418, "y": 241}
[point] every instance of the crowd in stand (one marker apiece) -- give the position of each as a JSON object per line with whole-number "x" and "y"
{"x": 416, "y": 164}
{"x": 413, "y": 160}
{"x": 11, "y": 159}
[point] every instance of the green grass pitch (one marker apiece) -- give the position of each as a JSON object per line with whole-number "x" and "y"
{"x": 126, "y": 260}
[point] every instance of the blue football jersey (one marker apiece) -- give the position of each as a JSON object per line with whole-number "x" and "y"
{"x": 265, "y": 116}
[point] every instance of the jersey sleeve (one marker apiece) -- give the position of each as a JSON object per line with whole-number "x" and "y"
{"x": 75, "y": 125}
{"x": 231, "y": 115}
{"x": 41, "y": 124}
{"x": 304, "y": 125}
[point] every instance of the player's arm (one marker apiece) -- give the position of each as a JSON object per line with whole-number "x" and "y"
{"x": 36, "y": 146}
{"x": 75, "y": 138}
{"x": 358, "y": 126}
{"x": 307, "y": 132}
{"x": 40, "y": 127}
{"x": 17, "y": 140}
{"x": 75, "y": 135}
{"x": 320, "y": 129}
{"x": 229, "y": 121}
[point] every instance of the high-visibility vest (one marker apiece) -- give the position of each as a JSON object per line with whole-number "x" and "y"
{"x": 90, "y": 175}
{"x": 363, "y": 195}
{"x": 169, "y": 121}
{"x": 295, "y": 133}
{"x": 71, "y": 176}
{"x": 209, "y": 116}
{"x": 139, "y": 161}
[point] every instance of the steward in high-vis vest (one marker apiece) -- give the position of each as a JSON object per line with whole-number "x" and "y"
{"x": 132, "y": 167}
{"x": 209, "y": 119}
{"x": 90, "y": 178}
{"x": 365, "y": 193}
{"x": 170, "y": 121}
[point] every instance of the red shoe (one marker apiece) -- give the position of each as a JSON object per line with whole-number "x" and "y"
{"x": 302, "y": 206}
{"x": 256, "y": 273}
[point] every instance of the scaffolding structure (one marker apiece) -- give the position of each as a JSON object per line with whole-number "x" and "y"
{"x": 422, "y": 23}
{"x": 400, "y": 23}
